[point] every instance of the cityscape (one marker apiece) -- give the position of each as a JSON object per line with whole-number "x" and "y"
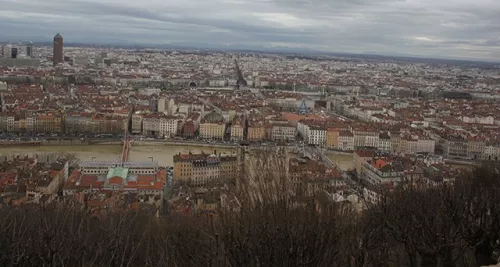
{"x": 203, "y": 134}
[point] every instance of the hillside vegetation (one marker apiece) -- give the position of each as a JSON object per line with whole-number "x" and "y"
{"x": 446, "y": 225}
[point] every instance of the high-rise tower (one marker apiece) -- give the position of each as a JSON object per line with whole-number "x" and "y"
{"x": 13, "y": 52}
{"x": 29, "y": 49}
{"x": 58, "y": 49}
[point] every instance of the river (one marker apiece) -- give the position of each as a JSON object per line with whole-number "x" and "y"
{"x": 163, "y": 154}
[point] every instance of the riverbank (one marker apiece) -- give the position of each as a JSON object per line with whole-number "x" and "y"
{"x": 78, "y": 142}
{"x": 159, "y": 152}
{"x": 182, "y": 143}
{"x": 170, "y": 143}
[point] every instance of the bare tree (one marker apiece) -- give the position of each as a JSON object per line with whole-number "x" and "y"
{"x": 480, "y": 221}
{"x": 417, "y": 225}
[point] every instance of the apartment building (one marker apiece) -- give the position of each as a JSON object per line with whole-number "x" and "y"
{"x": 151, "y": 125}
{"x": 491, "y": 152}
{"x": 189, "y": 129}
{"x": 191, "y": 125}
{"x": 372, "y": 139}
{"x": 303, "y": 130}
{"x": 382, "y": 171}
{"x": 317, "y": 135}
{"x": 312, "y": 131}
{"x": 168, "y": 126}
{"x": 332, "y": 138}
{"x": 283, "y": 132}
{"x": 212, "y": 130}
{"x": 479, "y": 119}
{"x": 163, "y": 104}
{"x": 7, "y": 121}
{"x": 212, "y": 126}
{"x": 77, "y": 122}
{"x": 414, "y": 146}
{"x": 136, "y": 125}
{"x": 30, "y": 123}
{"x": 384, "y": 142}
{"x": 238, "y": 129}
{"x": 20, "y": 122}
{"x": 160, "y": 125}
{"x": 200, "y": 169}
{"x": 48, "y": 123}
{"x": 180, "y": 125}
{"x": 475, "y": 148}
{"x": 237, "y": 132}
{"x": 229, "y": 168}
{"x": 396, "y": 143}
{"x": 455, "y": 148}
{"x": 256, "y": 131}
{"x": 390, "y": 170}
{"x": 108, "y": 124}
{"x": 365, "y": 137}
{"x": 333, "y": 134}
{"x": 426, "y": 145}
{"x": 345, "y": 141}
{"x": 360, "y": 157}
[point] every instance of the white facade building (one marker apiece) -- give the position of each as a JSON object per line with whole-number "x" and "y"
{"x": 345, "y": 141}
{"x": 384, "y": 144}
{"x": 168, "y": 127}
{"x": 283, "y": 132}
{"x": 317, "y": 136}
{"x": 372, "y": 140}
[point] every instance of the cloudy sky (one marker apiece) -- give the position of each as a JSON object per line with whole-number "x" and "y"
{"x": 434, "y": 28}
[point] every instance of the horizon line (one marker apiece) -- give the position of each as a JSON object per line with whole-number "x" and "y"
{"x": 260, "y": 49}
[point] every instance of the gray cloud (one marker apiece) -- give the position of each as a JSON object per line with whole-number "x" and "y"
{"x": 447, "y": 28}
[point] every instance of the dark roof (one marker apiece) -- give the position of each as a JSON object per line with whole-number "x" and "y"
{"x": 58, "y": 36}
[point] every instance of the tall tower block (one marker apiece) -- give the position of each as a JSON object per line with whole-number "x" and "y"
{"x": 58, "y": 49}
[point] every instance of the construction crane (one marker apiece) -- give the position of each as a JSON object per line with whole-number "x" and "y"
{"x": 303, "y": 109}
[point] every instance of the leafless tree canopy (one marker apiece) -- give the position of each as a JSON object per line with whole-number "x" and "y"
{"x": 417, "y": 225}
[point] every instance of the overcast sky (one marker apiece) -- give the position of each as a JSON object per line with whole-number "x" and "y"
{"x": 434, "y": 28}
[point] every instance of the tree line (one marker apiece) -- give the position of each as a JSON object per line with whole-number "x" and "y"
{"x": 416, "y": 225}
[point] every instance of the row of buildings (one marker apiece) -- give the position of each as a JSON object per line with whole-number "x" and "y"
{"x": 383, "y": 172}
{"x": 306, "y": 177}
{"x": 32, "y": 179}
{"x": 97, "y": 185}
{"x": 59, "y": 122}
{"x": 471, "y": 148}
{"x": 213, "y": 126}
{"x": 346, "y": 137}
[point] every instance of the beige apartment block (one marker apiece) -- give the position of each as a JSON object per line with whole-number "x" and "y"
{"x": 332, "y": 138}
{"x": 237, "y": 132}
{"x": 256, "y": 133}
{"x": 214, "y": 130}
